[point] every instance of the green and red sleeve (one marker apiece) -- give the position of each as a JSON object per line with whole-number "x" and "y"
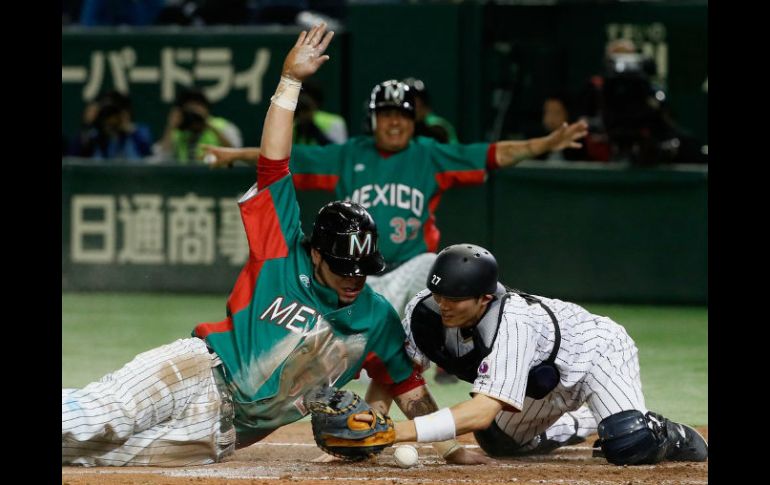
{"x": 460, "y": 165}
{"x": 316, "y": 167}
{"x": 378, "y": 372}
{"x": 270, "y": 217}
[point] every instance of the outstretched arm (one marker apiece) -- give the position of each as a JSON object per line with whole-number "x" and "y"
{"x": 472, "y": 415}
{"x": 512, "y": 152}
{"x": 419, "y": 402}
{"x": 217, "y": 157}
{"x": 303, "y": 60}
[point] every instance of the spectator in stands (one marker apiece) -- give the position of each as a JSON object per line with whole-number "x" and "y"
{"x": 557, "y": 111}
{"x": 109, "y": 131}
{"x": 428, "y": 123}
{"x": 312, "y": 125}
{"x": 190, "y": 125}
{"x": 629, "y": 118}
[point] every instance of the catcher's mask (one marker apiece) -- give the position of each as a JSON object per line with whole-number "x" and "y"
{"x": 346, "y": 236}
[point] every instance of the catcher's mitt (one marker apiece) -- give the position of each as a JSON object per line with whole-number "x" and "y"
{"x": 337, "y": 432}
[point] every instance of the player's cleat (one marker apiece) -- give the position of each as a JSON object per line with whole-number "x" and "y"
{"x": 686, "y": 444}
{"x": 444, "y": 377}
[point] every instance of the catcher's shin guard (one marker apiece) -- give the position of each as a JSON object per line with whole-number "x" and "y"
{"x": 633, "y": 438}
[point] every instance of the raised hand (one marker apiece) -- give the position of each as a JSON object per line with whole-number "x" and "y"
{"x": 307, "y": 55}
{"x": 566, "y": 136}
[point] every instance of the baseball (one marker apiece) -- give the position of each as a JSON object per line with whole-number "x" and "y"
{"x": 406, "y": 456}
{"x": 209, "y": 158}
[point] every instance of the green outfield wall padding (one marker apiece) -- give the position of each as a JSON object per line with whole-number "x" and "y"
{"x": 588, "y": 234}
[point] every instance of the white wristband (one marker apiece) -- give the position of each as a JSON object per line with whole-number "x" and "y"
{"x": 438, "y": 426}
{"x": 287, "y": 94}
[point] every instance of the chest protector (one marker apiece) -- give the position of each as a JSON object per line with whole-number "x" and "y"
{"x": 429, "y": 336}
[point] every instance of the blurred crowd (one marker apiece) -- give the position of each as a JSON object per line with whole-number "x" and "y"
{"x": 628, "y": 113}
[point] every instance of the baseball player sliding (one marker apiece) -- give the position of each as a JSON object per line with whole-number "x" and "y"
{"x": 400, "y": 179}
{"x": 533, "y": 362}
{"x": 300, "y": 317}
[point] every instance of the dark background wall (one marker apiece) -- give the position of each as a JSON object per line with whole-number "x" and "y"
{"x": 587, "y": 234}
{"x": 599, "y": 233}
{"x": 480, "y": 61}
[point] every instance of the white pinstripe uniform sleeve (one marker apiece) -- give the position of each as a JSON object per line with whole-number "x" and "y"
{"x": 411, "y": 348}
{"x": 503, "y": 373}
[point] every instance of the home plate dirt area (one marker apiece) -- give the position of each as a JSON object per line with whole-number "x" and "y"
{"x": 287, "y": 456}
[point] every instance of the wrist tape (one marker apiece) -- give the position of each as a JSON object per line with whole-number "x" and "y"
{"x": 438, "y": 426}
{"x": 446, "y": 448}
{"x": 286, "y": 94}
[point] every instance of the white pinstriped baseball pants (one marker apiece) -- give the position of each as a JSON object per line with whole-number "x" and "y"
{"x": 403, "y": 283}
{"x": 162, "y": 409}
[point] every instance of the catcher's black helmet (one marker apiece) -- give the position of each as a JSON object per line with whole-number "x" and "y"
{"x": 391, "y": 94}
{"x": 463, "y": 270}
{"x": 346, "y": 236}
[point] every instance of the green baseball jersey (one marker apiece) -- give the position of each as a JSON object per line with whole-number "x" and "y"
{"x": 400, "y": 191}
{"x": 285, "y": 332}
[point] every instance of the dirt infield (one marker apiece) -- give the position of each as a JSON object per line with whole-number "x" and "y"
{"x": 286, "y": 457}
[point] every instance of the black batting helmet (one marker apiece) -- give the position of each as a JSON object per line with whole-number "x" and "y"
{"x": 346, "y": 236}
{"x": 463, "y": 270}
{"x": 391, "y": 94}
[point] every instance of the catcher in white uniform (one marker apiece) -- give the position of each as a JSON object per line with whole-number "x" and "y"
{"x": 534, "y": 362}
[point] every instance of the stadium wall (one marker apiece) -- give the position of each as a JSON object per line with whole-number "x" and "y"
{"x": 586, "y": 233}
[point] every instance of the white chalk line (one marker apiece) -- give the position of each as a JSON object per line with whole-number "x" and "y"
{"x": 568, "y": 448}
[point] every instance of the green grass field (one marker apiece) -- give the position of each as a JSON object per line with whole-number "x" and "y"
{"x": 103, "y": 331}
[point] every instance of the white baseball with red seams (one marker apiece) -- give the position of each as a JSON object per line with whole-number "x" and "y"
{"x": 406, "y": 456}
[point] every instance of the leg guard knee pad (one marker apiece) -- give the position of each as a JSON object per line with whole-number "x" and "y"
{"x": 632, "y": 438}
